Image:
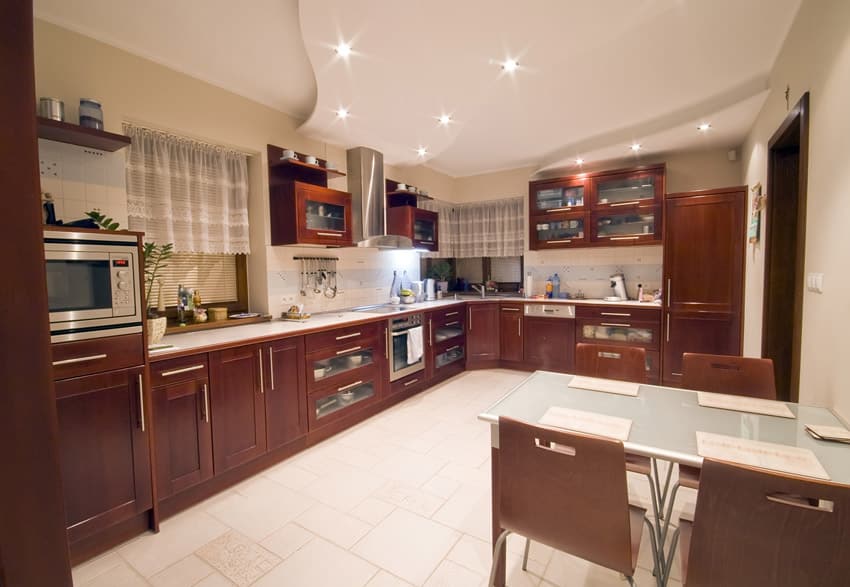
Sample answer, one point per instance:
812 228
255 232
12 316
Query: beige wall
814 58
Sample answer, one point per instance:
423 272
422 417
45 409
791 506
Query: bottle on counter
549 287
395 287
640 292
556 287
182 303
528 284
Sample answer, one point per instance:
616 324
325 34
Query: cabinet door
563 195
103 444
626 226
482 331
237 406
324 215
695 333
549 343
558 231
628 188
181 407
329 405
286 391
510 328
425 235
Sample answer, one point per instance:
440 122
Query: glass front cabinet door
632 188
303 213
626 226
552 197
558 231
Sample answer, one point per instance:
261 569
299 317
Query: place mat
832 433
587 422
606 385
739 403
765 455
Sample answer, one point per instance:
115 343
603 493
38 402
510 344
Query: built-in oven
93 285
406 346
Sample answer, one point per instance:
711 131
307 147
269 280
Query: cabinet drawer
72 359
338 401
619 313
414 381
177 370
624 332
447 314
350 335
449 352
329 366
447 327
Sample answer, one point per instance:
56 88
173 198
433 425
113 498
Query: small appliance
430 290
399 330
618 283
418 288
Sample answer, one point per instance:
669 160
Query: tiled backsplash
588 270
81 180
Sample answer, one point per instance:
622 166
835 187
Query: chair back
566 490
754 527
626 363
729 374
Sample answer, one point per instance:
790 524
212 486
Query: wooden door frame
794 127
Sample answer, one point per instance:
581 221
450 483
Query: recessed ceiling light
422 151
636 147
444 119
342 113
510 65
704 127
343 49
579 161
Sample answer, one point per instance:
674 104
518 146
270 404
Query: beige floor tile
372 510
238 558
410 498
188 571
178 538
291 476
473 553
467 475
344 489
285 541
262 511
538 552
450 574
320 564
92 568
333 525
565 569
385 579
467 452
122 575
407 545
410 467
214 580
441 486
468 511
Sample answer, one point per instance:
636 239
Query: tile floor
401 499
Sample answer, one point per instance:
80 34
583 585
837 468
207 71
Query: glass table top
665 420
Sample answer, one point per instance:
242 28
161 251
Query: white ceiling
594 76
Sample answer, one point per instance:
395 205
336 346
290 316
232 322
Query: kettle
418 289
430 291
618 283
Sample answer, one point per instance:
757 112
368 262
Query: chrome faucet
480 289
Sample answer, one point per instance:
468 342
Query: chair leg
669 514
656 508
657 557
665 571
497 550
525 554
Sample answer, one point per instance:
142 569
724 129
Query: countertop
204 340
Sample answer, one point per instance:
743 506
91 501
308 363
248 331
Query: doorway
785 245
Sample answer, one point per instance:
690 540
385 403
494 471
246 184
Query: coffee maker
618 283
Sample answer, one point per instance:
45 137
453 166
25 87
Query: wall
816 58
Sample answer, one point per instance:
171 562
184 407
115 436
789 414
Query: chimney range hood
369 201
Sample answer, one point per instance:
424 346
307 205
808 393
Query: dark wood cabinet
417 224
302 213
285 391
482 326
182 413
104 454
549 343
510 331
703 275
237 398
640 186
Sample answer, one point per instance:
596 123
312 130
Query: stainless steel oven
93 287
406 356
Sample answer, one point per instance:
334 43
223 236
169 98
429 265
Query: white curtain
491 228
186 192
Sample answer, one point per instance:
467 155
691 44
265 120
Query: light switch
814 282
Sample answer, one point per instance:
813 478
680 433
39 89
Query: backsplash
364 277
588 270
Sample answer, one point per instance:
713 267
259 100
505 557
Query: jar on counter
91 113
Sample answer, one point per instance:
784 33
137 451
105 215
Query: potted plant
156 258
441 271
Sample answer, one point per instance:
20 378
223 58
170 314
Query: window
215 276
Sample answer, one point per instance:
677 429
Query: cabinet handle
329 234
351 350
349 386
623 238
676 374
386 343
451 314
451 348
141 403
614 314
623 324
206 404
668 326
411 382
79 360
183 370
430 332
564 241
452 323
668 292
343 337
469 311
424 242
262 384
271 367
510 309
630 203
519 327
565 209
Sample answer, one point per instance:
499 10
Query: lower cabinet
510 330
329 405
285 391
549 343
482 327
696 333
104 455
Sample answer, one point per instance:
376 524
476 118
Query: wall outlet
814 282
48 167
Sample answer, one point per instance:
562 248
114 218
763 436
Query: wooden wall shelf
74 134
300 164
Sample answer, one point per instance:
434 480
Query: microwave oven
93 287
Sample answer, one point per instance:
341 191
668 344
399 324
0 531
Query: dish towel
414 345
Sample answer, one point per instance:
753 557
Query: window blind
213 275
506 269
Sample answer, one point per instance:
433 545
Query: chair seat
636 516
685 530
689 476
638 464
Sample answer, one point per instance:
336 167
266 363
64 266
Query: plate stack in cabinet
446 342
626 207
625 326
346 369
558 215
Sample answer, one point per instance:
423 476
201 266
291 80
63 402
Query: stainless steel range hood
369 201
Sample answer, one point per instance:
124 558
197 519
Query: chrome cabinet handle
668 326
411 382
344 336
329 234
349 386
206 404
623 238
624 325
668 291
630 203
271 367
564 209
469 311
386 343
351 350
452 323
510 309
451 314
614 313
262 383
78 360
451 348
183 370
676 374
430 332
519 327
564 241
141 403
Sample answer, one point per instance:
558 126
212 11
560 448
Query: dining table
665 422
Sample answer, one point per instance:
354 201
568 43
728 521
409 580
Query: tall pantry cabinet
704 246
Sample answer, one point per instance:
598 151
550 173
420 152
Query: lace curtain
492 228
186 192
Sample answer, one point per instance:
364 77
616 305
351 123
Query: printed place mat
606 385
765 455
587 422
833 433
739 403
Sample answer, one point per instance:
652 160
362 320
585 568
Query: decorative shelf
74 134
174 328
302 165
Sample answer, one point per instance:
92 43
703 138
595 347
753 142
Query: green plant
441 271
156 259
101 220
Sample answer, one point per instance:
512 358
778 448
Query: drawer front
448 352
84 357
625 332
336 402
340 337
177 370
447 314
448 327
355 360
619 313
414 381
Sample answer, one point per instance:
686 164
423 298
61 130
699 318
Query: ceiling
594 77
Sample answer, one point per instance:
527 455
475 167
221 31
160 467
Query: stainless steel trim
141 403
339 235
399 333
262 383
351 350
452 323
349 386
614 313
559 311
565 209
609 355
70 237
623 238
630 203
183 370
569 240
510 309
623 324
348 336
447 314
206 403
271 367
411 382
78 360
73 336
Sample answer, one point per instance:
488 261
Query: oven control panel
123 284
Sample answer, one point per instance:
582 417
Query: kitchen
498 332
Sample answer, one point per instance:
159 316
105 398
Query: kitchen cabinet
632 187
704 247
626 226
510 330
181 410
549 343
303 213
483 319
238 406
417 224
557 195
328 405
445 343
559 231
285 391
103 445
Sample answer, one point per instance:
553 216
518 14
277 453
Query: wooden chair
568 491
755 527
626 363
733 375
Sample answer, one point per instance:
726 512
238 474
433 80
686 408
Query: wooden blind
213 275
506 269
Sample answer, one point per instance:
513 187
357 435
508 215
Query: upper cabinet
417 224
603 209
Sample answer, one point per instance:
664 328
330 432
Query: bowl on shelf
408 299
355 360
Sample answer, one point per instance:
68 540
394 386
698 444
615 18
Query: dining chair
758 527
743 376
568 490
625 363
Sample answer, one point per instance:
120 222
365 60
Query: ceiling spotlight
636 147
510 65
342 113
444 119
343 50
704 127
579 161
422 151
